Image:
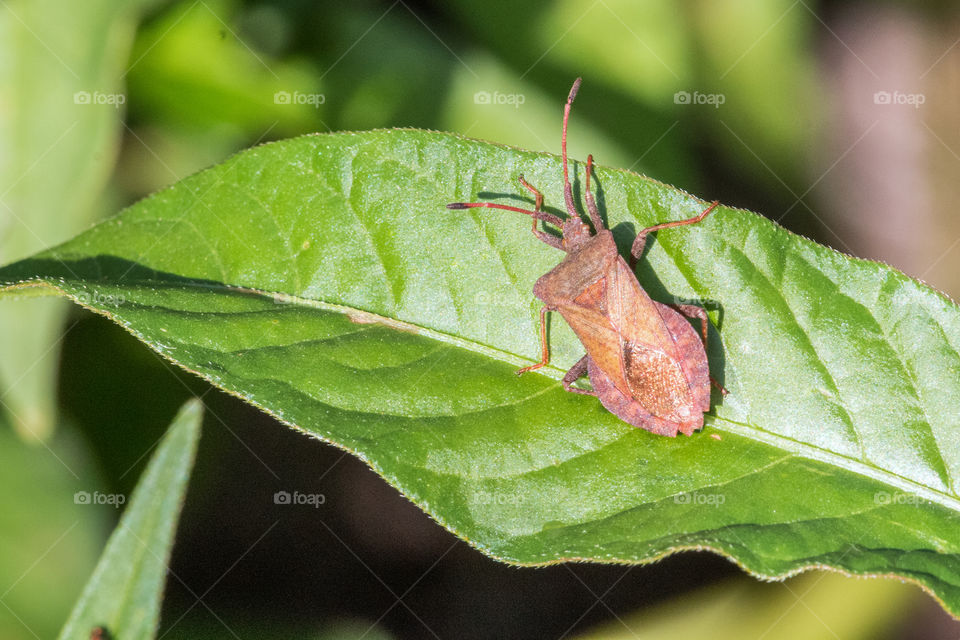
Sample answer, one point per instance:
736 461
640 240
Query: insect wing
657 358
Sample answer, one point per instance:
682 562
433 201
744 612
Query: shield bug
646 363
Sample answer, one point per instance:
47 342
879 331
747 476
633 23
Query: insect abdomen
657 381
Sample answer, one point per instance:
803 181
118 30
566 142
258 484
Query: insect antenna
539 215
567 189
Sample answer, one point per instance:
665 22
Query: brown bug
646 363
99 633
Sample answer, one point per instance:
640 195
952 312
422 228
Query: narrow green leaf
322 279
124 592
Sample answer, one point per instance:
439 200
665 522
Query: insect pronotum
646 363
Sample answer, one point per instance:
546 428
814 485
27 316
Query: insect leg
576 372
538 197
638 243
544 350
545 237
697 313
723 390
591 203
693 311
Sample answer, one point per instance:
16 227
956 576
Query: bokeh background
838 120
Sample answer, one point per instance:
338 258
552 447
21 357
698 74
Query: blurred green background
836 119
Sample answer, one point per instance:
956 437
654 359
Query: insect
646 363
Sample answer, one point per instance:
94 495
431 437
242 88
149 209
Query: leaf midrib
804 450
747 430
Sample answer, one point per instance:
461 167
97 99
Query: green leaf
124 592
61 65
322 279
